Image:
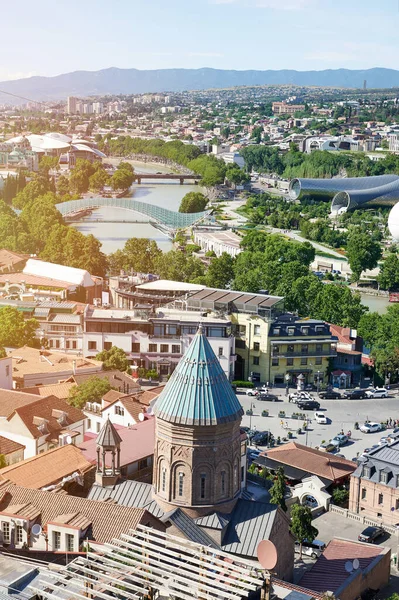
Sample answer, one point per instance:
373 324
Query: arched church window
163 479
202 485
181 483
223 481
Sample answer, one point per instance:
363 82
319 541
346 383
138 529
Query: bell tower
108 455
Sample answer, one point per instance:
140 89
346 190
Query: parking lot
341 415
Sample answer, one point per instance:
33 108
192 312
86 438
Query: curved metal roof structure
198 393
349 193
169 218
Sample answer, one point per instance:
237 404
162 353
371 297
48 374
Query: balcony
309 354
93 408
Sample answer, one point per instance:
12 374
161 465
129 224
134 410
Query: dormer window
366 472
384 476
305 330
291 330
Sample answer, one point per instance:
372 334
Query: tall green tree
193 202
388 277
139 254
301 525
220 272
112 359
15 331
278 489
177 266
363 253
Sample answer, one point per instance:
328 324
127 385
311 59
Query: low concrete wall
362 519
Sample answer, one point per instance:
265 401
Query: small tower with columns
108 442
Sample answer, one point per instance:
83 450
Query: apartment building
282 108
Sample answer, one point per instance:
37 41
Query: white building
121 409
71 105
98 108
218 242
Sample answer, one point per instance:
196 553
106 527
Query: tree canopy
112 359
138 254
15 331
301 525
92 390
193 202
278 489
363 253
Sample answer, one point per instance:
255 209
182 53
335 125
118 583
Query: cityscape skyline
230 34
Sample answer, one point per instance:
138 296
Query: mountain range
135 81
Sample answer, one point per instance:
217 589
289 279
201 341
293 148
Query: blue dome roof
198 392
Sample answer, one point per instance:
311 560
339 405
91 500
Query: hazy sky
48 37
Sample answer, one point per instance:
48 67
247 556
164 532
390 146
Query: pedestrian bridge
170 219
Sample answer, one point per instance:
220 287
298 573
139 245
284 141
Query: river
113 236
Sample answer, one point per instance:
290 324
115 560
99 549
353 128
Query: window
92 345
256 346
70 542
119 410
380 499
290 362
176 349
181 483
255 360
165 348
319 328
240 344
276 331
98 427
202 485
305 330
6 532
67 344
364 493
235 477
7 370
319 360
274 362
383 477
143 464
220 351
19 534
319 348
135 347
366 472
256 329
56 540
291 330
57 343
223 481
242 474
152 347
397 504
74 344
276 349
172 330
242 330
290 348
88 423
163 479
304 349
107 345
304 360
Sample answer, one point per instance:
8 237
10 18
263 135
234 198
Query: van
313 549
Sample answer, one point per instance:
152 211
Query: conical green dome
198 392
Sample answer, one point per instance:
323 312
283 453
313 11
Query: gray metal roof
53 304
250 523
385 459
41 312
128 493
189 528
66 318
214 521
108 436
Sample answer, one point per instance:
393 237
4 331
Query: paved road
342 414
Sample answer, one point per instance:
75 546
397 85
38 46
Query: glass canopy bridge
165 218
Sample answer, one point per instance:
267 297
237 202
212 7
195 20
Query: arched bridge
170 219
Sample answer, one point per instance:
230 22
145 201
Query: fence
345 512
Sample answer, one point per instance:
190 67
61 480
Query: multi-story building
282 108
374 486
71 105
347 368
299 346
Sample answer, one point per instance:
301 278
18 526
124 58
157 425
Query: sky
50 37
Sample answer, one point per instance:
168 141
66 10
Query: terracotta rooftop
28 361
60 390
118 380
107 520
313 461
9 446
12 399
47 468
8 258
111 396
49 409
342 333
138 441
328 572
131 402
150 394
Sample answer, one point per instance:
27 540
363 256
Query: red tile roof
9 446
328 572
342 333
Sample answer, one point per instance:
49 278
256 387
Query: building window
165 348
235 480
304 349
319 348
223 481
176 349
92 345
152 347
181 483
6 532
364 493
397 504
242 329
274 362
276 349
291 330
305 330
107 345
290 362
319 328
88 423
256 346
255 360
383 477
135 347
242 474
74 344
143 464
70 542
119 410
290 349
19 534
98 427
220 351
380 499
304 360
276 331
56 540
256 329
366 472
7 370
319 360
202 485
163 479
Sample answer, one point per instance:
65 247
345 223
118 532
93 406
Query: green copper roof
198 392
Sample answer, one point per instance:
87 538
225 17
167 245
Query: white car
377 393
320 417
371 427
252 392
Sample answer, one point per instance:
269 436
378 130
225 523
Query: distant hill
134 81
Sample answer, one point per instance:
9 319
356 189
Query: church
199 477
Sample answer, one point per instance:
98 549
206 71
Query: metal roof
66 318
213 521
198 392
128 493
108 436
189 528
250 523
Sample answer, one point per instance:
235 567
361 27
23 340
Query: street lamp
250 415
287 380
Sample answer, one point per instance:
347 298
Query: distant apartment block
282 108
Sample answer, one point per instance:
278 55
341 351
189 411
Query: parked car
320 418
330 395
252 455
370 534
308 405
377 393
268 397
252 392
354 394
260 438
327 447
370 427
295 396
340 440
385 440
313 549
368 450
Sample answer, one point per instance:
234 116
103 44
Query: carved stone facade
197 468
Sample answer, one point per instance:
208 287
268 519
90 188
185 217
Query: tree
388 277
123 177
193 202
15 331
220 272
92 390
363 252
62 185
112 359
79 181
139 254
99 180
301 525
278 489
39 217
177 266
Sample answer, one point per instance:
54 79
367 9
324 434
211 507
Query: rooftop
29 361
9 446
12 399
61 390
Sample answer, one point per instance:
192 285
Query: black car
370 534
260 439
308 404
355 394
268 397
330 395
